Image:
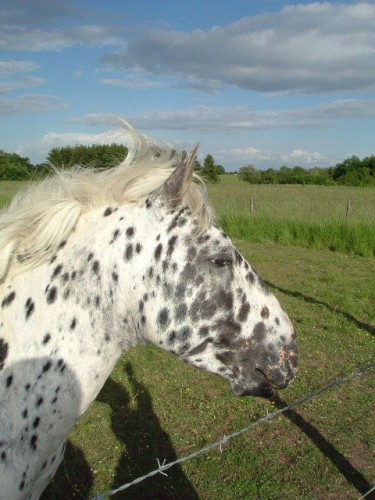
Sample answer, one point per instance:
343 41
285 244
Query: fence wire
162 467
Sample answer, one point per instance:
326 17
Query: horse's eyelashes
222 261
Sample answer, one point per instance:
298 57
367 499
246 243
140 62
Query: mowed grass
337 218
153 407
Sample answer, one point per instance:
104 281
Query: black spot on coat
96 267
4 348
171 245
33 441
8 299
128 252
259 332
115 235
163 317
29 306
57 271
265 313
243 312
158 251
51 295
181 311
47 366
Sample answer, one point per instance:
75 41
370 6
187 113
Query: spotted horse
93 263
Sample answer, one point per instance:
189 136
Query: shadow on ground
143 440
311 300
342 464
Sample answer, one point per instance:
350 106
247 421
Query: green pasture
154 407
337 218
8 189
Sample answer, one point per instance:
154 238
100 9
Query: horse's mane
44 215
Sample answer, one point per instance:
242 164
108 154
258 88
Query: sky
266 83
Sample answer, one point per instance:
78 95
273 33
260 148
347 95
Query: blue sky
266 83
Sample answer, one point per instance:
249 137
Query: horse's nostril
276 376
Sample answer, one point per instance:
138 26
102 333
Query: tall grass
336 218
8 189
336 236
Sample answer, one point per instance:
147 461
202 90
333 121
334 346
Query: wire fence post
348 210
251 206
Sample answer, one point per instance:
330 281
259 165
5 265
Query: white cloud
270 159
131 83
29 104
308 48
38 12
12 67
53 139
299 155
24 83
36 40
94 119
233 118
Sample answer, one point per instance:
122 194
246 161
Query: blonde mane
39 219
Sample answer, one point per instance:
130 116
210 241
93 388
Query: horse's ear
179 181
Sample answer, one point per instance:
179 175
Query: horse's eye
222 261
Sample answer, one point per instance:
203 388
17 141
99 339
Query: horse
94 262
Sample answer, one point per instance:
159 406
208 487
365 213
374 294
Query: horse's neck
75 306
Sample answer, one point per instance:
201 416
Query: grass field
155 407
337 218
8 189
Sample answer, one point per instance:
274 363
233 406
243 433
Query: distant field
299 203
323 217
8 189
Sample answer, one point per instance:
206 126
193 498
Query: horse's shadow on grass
342 464
73 479
144 441
358 323
354 477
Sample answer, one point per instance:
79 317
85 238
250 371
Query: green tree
95 156
14 167
250 174
209 171
353 171
269 176
197 166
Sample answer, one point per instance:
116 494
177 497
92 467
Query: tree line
15 167
352 171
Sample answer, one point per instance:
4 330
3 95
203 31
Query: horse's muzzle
265 379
